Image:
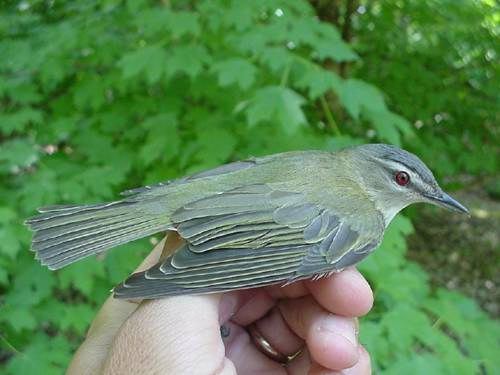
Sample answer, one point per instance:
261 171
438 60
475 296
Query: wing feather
250 236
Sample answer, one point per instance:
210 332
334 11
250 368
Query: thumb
176 335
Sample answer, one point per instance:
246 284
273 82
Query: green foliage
438 65
100 96
414 330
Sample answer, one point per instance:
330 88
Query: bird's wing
249 236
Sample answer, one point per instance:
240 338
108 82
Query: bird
268 220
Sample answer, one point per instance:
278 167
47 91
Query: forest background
100 96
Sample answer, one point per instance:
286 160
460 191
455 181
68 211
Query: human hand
182 334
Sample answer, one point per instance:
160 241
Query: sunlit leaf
162 141
17 153
188 59
277 102
318 81
150 60
18 121
357 95
235 71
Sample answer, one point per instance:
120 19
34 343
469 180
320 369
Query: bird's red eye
402 178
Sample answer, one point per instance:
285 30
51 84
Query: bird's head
395 178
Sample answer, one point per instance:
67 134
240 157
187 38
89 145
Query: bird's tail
65 234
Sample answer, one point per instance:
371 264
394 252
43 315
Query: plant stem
329 116
286 73
9 345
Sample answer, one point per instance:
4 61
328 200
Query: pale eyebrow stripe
397 165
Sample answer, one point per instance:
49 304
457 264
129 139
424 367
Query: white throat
389 214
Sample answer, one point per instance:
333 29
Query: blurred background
100 96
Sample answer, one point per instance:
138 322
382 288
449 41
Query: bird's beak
442 199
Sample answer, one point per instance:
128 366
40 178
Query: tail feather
86 237
56 217
60 234
65 234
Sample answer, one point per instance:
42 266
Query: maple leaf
357 95
149 60
318 81
280 103
235 71
189 59
162 141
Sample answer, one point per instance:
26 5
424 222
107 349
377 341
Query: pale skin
181 335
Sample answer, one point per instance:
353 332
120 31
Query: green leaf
18 121
43 355
183 23
17 153
101 145
417 364
161 20
280 103
31 286
81 275
235 71
24 93
188 59
318 81
337 50
4 276
19 318
120 262
401 335
9 243
7 215
63 127
31 195
239 15
357 95
215 145
389 126
150 60
248 42
276 58
77 317
163 141
303 31
91 92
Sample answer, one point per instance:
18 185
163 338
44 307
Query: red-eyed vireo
274 219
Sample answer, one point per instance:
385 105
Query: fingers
331 340
301 364
363 367
252 304
177 335
245 356
115 311
293 290
345 293
276 331
91 354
